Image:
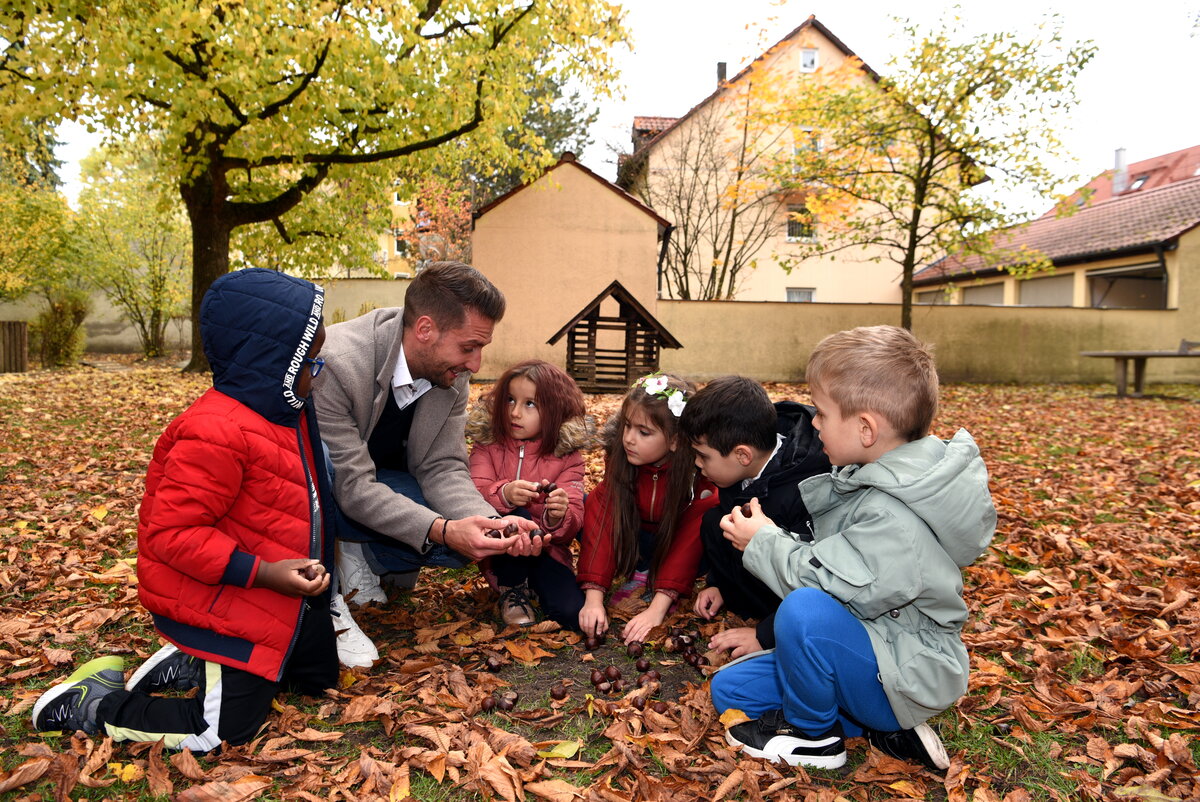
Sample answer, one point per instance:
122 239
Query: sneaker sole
148 666
808 761
933 746
84 671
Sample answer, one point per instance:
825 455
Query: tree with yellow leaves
260 103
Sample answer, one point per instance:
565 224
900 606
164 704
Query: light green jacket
889 540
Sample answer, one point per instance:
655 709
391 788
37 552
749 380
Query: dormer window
808 59
1138 182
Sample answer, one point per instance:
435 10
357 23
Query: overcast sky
1139 92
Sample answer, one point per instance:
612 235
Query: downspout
1162 262
662 255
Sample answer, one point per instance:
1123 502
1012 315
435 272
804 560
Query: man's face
441 355
722 471
305 379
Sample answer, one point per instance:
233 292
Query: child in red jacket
233 538
643 520
527 436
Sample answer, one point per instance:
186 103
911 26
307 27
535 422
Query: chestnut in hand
746 510
310 572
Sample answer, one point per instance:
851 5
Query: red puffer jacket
677 575
225 489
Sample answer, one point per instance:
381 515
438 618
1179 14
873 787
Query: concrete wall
772 341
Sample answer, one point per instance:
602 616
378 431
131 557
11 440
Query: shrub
57 334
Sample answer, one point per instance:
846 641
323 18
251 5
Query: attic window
808 59
1139 181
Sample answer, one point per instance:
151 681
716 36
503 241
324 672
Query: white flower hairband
656 385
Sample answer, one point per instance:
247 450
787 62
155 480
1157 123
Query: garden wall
772 341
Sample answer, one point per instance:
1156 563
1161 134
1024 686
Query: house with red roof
694 169
1129 239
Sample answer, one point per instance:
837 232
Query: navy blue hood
257 326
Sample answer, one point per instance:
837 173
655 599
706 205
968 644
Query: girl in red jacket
526 460
643 520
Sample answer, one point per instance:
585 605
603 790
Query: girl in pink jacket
526 460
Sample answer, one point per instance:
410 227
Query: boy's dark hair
445 290
730 411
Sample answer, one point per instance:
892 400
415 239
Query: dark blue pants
823 669
386 554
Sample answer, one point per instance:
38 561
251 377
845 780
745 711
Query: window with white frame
401 246
800 295
809 59
801 224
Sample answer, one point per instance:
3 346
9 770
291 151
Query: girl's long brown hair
559 399
622 477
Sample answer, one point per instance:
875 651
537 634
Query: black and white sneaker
71 704
168 669
918 745
772 738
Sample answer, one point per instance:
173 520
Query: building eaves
1119 226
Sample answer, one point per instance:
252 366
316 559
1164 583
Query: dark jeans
386 554
552 582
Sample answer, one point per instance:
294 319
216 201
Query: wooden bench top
1137 354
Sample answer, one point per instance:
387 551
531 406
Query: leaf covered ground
1084 635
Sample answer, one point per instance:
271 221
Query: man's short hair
881 369
445 290
730 411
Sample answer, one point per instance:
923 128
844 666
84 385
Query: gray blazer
350 394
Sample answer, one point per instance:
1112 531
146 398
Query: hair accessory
656 384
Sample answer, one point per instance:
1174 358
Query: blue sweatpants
823 668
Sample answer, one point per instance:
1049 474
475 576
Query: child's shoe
515 608
918 745
354 648
71 704
634 587
772 738
168 669
356 579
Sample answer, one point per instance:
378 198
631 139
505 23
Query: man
391 403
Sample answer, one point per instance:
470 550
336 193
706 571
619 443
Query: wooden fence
14 346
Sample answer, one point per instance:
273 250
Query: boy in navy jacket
749 448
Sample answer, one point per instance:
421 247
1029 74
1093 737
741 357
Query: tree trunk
205 201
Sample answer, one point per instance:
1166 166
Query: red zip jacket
677 575
226 488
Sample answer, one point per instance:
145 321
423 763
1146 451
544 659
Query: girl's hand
592 619
555 508
640 625
740 528
708 603
296 577
518 492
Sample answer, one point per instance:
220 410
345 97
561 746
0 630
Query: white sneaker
355 577
354 648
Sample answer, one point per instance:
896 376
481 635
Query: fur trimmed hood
576 434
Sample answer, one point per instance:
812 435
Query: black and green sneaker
168 669
71 704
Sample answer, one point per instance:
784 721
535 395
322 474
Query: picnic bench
1121 360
